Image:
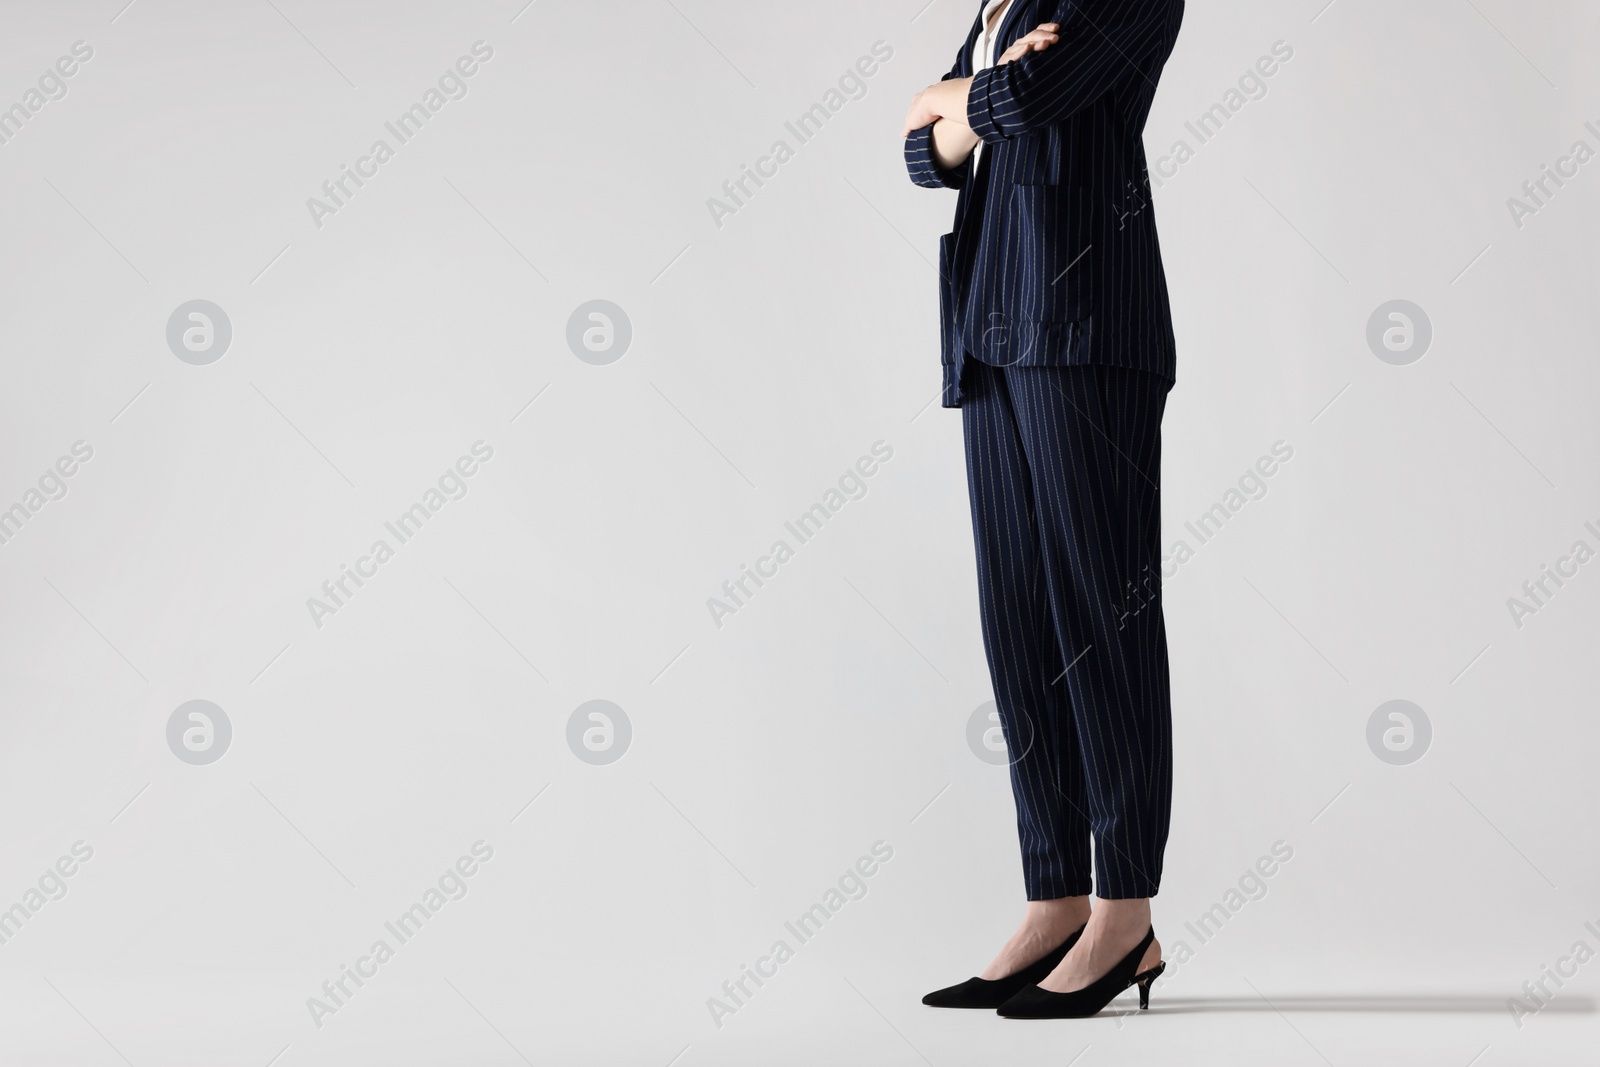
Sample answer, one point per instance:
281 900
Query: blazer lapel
964 60
1006 33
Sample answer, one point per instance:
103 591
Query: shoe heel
1146 980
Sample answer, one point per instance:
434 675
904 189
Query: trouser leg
1091 439
1020 639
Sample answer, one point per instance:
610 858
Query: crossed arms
1072 64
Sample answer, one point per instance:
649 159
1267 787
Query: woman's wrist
953 142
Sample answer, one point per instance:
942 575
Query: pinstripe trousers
1063 472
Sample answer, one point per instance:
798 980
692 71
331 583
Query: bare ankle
1059 913
1128 914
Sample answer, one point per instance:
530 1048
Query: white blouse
983 52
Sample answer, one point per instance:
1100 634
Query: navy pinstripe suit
1057 344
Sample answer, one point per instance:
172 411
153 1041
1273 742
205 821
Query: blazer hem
952 395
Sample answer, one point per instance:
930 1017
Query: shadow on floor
1402 1003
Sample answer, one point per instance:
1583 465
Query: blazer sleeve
1100 41
920 160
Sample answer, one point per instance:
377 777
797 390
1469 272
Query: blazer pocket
1054 229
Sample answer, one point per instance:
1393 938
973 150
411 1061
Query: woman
1057 346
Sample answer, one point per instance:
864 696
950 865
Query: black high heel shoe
1032 1002
991 993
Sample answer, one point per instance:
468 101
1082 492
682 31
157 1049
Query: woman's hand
946 99
1037 41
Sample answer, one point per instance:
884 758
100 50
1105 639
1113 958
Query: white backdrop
354 355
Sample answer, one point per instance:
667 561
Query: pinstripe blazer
1054 258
